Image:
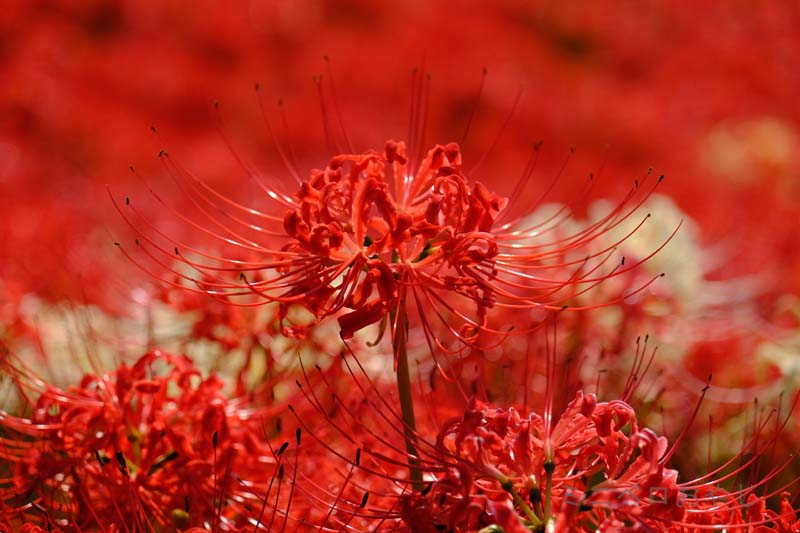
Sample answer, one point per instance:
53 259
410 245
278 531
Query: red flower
132 448
595 470
375 237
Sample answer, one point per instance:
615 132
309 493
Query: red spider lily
593 468
374 237
139 449
431 234
517 460
596 469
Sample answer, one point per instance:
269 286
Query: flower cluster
595 470
154 445
371 239
412 336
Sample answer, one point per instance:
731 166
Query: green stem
549 467
509 487
399 342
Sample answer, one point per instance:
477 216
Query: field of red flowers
361 266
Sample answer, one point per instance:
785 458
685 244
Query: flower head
151 446
376 238
596 469
373 232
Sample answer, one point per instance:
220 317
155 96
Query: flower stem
400 346
549 467
509 488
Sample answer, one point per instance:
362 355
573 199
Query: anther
123 467
102 460
282 448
